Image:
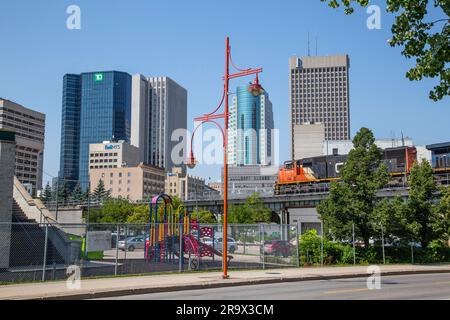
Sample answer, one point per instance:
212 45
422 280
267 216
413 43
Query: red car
278 248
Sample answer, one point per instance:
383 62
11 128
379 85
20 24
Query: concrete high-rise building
319 92
138 183
118 165
250 128
96 107
159 108
29 126
113 155
308 140
243 181
7 163
184 186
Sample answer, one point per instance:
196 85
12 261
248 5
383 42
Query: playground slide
193 243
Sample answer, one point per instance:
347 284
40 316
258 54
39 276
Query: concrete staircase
31 219
18 215
28 242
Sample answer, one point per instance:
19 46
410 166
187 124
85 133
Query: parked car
132 243
218 244
231 244
209 241
114 239
278 248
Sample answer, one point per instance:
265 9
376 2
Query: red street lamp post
256 89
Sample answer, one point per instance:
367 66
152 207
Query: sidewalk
110 287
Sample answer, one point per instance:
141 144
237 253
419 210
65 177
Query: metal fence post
245 239
299 238
44 263
126 242
353 240
262 246
321 243
181 252
117 250
382 244
297 241
86 226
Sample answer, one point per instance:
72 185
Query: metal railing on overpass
214 202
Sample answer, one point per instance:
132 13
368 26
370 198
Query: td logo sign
98 77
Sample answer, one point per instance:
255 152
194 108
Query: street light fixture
256 90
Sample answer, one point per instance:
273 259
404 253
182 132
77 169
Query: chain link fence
44 251
318 250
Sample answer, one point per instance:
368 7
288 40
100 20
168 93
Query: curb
139 291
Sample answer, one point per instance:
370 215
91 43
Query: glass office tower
70 130
104 110
250 126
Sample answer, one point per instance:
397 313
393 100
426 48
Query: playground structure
166 227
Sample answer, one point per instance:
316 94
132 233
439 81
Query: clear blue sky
185 40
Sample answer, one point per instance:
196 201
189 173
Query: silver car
218 245
133 243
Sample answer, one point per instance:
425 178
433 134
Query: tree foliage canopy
353 200
421 35
253 211
423 217
423 222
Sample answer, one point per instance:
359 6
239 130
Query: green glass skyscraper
96 107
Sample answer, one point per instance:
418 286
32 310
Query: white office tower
159 121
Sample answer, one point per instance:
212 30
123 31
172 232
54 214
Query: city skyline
381 97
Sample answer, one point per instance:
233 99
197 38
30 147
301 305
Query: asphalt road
425 286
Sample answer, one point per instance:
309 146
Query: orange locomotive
315 174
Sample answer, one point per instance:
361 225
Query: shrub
333 252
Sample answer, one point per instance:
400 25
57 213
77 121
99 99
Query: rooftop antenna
309 51
316 44
403 140
393 142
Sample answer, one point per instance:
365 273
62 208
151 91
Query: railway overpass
291 208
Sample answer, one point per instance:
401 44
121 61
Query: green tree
100 193
253 211
353 200
444 211
140 214
47 194
112 211
391 217
77 194
423 30
177 205
64 193
423 222
205 216
259 212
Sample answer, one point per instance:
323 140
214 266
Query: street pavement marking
346 290
442 282
366 289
